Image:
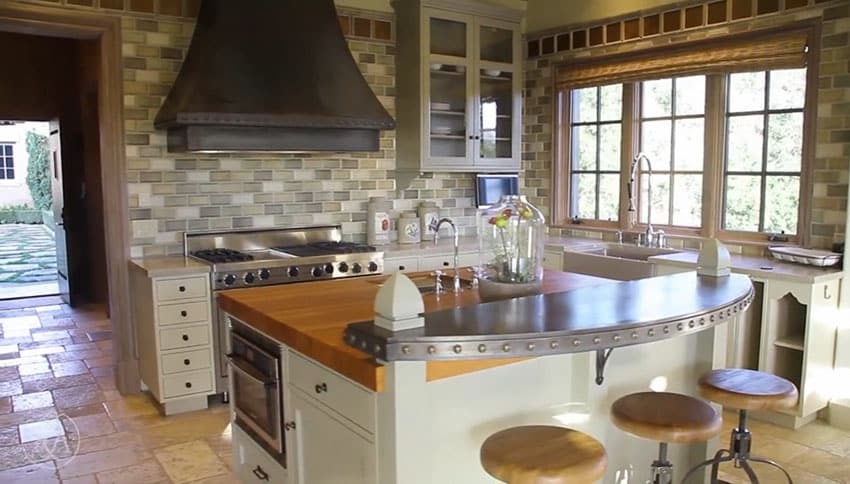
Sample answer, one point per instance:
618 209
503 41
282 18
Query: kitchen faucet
651 237
435 226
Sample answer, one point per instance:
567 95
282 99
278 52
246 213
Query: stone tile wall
173 193
832 156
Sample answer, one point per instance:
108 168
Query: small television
489 188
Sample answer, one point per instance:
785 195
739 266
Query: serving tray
812 257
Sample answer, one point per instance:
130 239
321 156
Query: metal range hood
270 75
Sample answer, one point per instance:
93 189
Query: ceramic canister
378 221
429 215
408 229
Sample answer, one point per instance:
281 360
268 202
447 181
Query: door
61 235
319 435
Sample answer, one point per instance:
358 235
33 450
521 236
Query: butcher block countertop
311 318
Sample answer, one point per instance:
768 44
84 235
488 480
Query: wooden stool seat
666 417
543 454
748 389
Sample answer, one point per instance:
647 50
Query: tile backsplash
173 193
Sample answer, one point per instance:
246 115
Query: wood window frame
714 139
7 162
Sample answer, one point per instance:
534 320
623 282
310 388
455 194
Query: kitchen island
352 418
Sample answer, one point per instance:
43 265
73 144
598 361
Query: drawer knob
188 384
182 288
261 474
289 426
187 362
445 263
185 337
401 268
184 313
322 387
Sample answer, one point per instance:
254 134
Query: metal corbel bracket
601 359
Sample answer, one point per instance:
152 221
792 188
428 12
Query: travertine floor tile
68 368
105 460
20 322
190 461
27 416
9 388
33 453
8 374
41 430
30 401
110 441
44 473
88 426
132 406
49 335
34 369
61 382
98 362
90 479
77 396
5 405
44 350
145 473
8 436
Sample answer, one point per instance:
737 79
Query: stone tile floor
27 261
61 419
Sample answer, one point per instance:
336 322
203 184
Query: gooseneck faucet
435 226
652 238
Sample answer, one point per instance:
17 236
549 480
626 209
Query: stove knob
265 274
343 267
293 272
355 268
329 268
249 277
373 266
317 271
229 279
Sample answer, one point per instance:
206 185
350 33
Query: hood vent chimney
270 75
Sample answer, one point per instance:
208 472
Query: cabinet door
498 103
327 451
446 262
405 264
448 122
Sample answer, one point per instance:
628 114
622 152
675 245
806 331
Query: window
7 162
672 127
595 143
764 150
721 121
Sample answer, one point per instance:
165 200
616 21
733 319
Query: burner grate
222 255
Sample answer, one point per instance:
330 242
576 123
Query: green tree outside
38 171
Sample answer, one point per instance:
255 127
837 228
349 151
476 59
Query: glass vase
511 238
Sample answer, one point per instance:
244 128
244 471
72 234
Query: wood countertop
311 318
165 266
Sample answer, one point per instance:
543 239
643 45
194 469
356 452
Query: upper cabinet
459 76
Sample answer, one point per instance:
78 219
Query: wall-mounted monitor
489 188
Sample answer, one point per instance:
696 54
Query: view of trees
38 170
763 152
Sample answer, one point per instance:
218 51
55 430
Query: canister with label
408 229
378 221
429 215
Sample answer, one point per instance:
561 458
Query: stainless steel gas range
249 258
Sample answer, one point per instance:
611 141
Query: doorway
27 229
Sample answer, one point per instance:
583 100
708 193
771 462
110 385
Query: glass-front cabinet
467 95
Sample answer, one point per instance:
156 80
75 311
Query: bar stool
543 454
665 418
744 390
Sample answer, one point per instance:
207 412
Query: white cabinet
401 264
446 261
553 260
798 339
252 464
174 329
327 449
459 82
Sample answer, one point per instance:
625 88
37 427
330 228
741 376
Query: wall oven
256 392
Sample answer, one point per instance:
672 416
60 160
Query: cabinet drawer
554 261
252 463
186 384
409 264
184 288
186 361
191 312
447 261
184 337
338 393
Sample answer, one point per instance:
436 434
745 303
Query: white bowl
436 67
492 72
460 69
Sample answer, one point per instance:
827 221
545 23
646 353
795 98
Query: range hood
270 75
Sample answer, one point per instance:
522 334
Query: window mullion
764 137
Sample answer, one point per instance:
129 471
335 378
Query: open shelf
794 342
788 364
447 113
447 136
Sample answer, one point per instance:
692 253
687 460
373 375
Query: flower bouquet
511 236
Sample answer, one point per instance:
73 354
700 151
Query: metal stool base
661 469
738 453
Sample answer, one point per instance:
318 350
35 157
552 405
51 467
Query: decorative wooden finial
399 305
714 259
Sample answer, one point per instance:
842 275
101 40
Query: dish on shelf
436 67
442 130
492 72
441 106
812 257
460 69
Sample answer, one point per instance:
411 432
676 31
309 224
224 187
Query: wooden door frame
106 30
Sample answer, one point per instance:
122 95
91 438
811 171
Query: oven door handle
249 371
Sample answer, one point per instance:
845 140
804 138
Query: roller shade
745 52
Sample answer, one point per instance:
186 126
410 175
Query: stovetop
279 256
